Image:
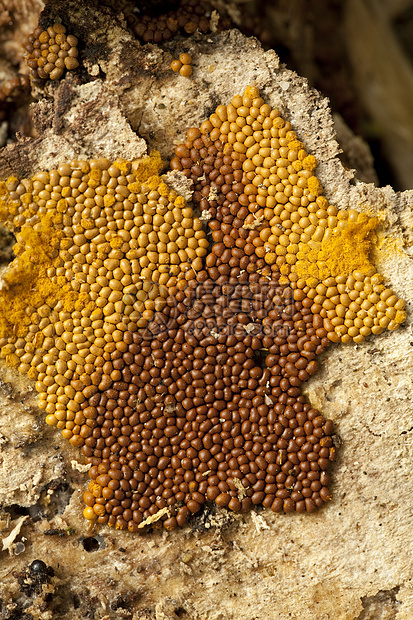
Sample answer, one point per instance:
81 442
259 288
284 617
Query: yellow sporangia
88 267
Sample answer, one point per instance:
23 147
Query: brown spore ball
185 58
185 70
176 65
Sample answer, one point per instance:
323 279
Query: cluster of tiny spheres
183 65
175 363
51 52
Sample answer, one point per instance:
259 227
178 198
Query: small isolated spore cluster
183 64
171 348
51 52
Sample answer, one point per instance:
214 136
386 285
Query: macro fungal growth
171 349
51 52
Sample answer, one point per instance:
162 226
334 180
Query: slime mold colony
170 347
